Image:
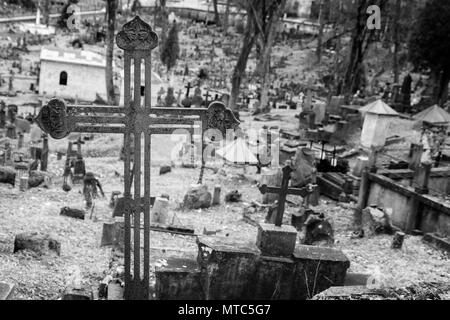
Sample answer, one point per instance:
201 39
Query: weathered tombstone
137 39
397 242
197 197
178 280
216 195
317 269
8 175
11 131
72 213
2 115
170 100
319 110
39 243
227 268
160 211
335 103
197 98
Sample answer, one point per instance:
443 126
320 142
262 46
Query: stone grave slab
274 278
276 241
178 280
317 269
345 293
228 268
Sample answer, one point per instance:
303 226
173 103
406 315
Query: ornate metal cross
283 191
137 39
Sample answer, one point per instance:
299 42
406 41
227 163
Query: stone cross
284 190
137 39
206 95
188 88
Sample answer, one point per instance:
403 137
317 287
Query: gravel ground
38 210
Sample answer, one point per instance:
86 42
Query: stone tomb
228 269
317 269
180 280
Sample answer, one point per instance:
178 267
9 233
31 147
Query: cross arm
294 191
58 120
216 116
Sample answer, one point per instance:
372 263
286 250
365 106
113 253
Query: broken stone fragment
41 244
318 230
197 197
376 221
72 213
233 196
38 178
165 169
7 175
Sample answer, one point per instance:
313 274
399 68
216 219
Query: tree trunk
239 69
320 36
396 39
265 57
216 13
111 7
443 88
226 18
164 22
356 53
46 12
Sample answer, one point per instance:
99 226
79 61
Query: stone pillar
363 198
421 178
160 211
20 141
44 155
216 195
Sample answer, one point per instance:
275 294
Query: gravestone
227 268
178 280
317 269
335 103
170 100
197 98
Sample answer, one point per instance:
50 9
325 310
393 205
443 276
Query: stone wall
434 215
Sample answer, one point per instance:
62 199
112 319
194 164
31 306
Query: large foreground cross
137 39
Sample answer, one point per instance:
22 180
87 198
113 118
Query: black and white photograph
253 151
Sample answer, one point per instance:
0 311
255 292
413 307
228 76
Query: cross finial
137 35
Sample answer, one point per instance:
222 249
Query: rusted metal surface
137 39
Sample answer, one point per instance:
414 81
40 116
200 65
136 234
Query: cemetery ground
37 209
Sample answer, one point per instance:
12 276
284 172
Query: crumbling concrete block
228 268
179 280
274 278
36 242
317 269
276 241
